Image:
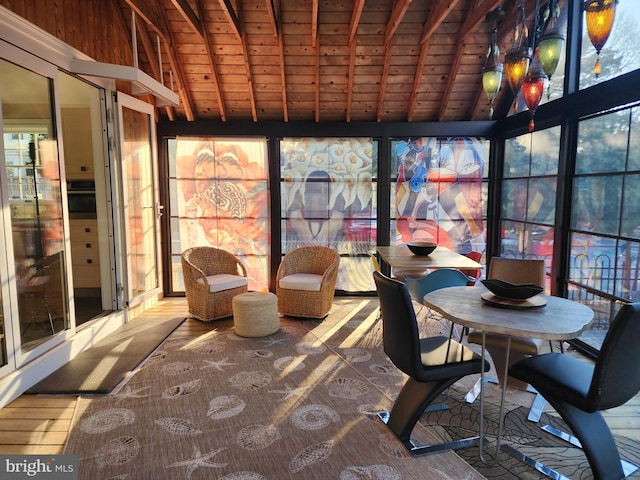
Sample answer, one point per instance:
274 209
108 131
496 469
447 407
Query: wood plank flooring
34 424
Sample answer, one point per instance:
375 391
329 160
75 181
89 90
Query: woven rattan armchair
306 282
212 277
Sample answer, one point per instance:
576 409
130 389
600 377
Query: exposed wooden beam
274 11
317 81
273 18
383 82
178 74
417 79
143 36
189 16
355 19
153 13
476 15
352 67
231 15
399 10
247 64
212 59
235 20
436 17
353 43
283 82
150 51
314 22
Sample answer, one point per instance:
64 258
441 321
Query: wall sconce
492 69
600 15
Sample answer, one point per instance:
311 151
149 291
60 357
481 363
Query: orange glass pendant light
516 65
517 59
599 18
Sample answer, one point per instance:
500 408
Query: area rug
299 404
222 406
101 368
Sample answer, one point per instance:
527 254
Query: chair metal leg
627 467
473 393
416 450
537 407
542 468
593 436
414 399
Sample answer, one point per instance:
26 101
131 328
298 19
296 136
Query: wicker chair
212 277
306 282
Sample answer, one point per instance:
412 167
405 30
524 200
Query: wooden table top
400 257
559 319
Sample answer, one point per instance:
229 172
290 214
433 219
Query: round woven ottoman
255 314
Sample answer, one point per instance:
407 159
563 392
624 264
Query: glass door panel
32 173
88 194
140 194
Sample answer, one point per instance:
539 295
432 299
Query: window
440 192
619 55
328 198
219 197
529 195
605 219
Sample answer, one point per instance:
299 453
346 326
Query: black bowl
422 248
510 290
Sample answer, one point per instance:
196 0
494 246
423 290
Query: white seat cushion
309 282
224 281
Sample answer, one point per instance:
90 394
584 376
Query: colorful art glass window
219 197
439 192
328 198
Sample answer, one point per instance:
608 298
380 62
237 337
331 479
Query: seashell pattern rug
299 404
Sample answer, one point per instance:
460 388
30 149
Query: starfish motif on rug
217 365
289 392
274 341
199 460
128 392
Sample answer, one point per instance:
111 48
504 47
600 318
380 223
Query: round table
558 319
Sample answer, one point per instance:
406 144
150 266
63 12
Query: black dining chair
432 364
579 391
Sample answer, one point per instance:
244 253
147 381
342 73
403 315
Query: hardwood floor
34 424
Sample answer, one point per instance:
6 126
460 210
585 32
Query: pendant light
492 69
599 15
517 59
533 87
551 42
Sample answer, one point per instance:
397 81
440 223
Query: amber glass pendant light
599 18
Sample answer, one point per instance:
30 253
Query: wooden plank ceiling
319 60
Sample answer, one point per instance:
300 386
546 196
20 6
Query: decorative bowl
422 248
513 291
